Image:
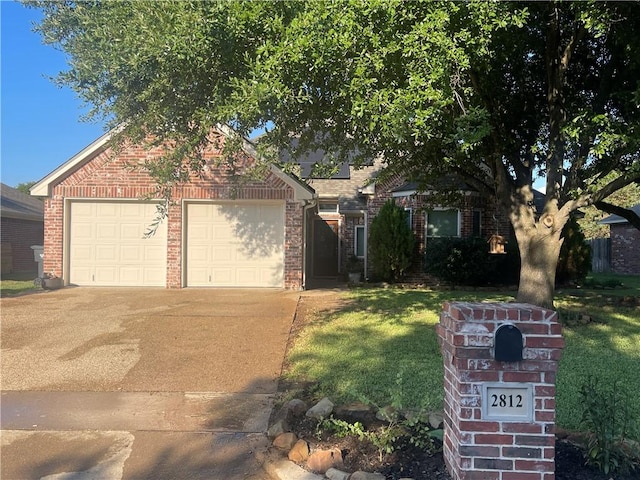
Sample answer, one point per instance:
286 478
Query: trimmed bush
391 243
574 262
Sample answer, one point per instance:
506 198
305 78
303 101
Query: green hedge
467 261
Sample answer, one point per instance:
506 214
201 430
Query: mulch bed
419 464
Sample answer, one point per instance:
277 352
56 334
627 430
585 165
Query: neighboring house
625 240
217 232
22 226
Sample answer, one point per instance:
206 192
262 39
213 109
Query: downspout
366 245
308 204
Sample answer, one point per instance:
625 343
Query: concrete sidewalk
140 383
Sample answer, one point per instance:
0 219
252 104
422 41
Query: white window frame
409 211
328 206
458 226
363 229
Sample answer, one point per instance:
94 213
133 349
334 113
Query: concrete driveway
109 383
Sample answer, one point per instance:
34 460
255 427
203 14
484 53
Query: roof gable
45 186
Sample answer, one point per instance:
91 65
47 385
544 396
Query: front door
325 248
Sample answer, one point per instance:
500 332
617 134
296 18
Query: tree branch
629 215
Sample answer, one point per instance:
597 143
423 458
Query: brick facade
625 255
110 176
17 237
476 447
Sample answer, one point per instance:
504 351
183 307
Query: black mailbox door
508 344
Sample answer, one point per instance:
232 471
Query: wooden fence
600 254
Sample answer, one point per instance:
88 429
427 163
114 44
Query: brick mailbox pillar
500 364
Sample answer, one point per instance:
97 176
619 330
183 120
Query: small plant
607 416
354 265
398 431
387 438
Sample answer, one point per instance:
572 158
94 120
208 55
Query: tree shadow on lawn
380 346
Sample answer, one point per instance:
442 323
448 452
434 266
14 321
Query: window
360 241
443 223
409 212
328 207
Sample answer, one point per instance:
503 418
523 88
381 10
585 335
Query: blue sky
41 127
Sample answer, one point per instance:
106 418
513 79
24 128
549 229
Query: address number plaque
507 402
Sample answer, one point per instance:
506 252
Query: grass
16 284
382 347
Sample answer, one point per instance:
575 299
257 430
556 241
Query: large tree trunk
539 252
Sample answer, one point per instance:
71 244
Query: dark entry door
325 248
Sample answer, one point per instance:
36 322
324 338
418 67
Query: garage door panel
223 254
245 245
107 230
154 276
107 246
199 276
130 275
199 233
222 277
83 276
82 253
155 254
110 210
105 275
131 231
106 253
222 233
131 253
83 232
81 210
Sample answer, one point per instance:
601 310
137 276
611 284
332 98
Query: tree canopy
501 94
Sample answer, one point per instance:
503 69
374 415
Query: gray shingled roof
617 218
15 204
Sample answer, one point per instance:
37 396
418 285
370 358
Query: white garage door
235 245
107 245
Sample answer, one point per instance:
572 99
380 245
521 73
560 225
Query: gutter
308 204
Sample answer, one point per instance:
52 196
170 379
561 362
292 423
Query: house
282 231
349 200
22 226
625 239
217 232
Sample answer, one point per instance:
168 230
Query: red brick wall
347 235
20 235
109 176
476 447
625 249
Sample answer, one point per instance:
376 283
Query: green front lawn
15 284
382 347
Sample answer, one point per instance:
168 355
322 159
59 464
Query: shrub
467 261
391 243
607 416
574 261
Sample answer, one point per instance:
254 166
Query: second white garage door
235 245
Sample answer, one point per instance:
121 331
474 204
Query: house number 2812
507 401
504 400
